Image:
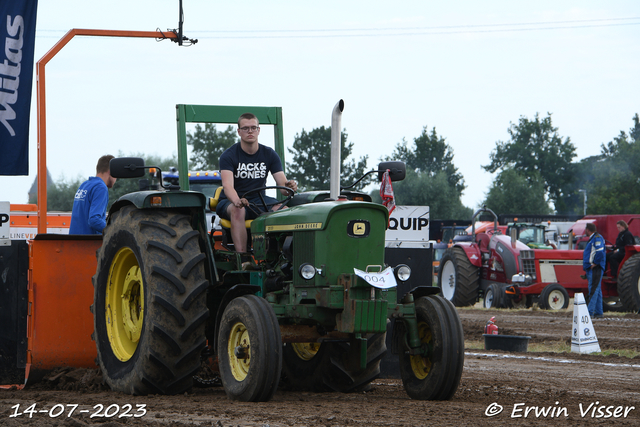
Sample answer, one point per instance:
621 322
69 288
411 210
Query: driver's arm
229 190
281 180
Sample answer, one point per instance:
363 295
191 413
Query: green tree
611 178
311 164
60 194
432 178
512 193
430 154
422 189
537 151
208 144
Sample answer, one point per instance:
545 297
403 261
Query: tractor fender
423 291
629 251
167 199
234 292
473 253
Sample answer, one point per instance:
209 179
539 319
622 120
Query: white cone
583 336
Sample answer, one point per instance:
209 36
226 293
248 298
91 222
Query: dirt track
491 380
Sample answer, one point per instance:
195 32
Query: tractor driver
244 166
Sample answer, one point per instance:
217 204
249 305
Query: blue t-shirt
89 214
249 170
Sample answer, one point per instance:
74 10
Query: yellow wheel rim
419 364
306 350
124 304
239 351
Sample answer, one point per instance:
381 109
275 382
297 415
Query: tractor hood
313 216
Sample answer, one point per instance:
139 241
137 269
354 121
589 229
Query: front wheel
149 302
493 296
249 350
434 373
554 297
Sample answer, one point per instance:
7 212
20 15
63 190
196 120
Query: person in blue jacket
593 263
89 214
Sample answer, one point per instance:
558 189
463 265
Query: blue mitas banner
17 40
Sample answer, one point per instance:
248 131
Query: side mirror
127 167
397 170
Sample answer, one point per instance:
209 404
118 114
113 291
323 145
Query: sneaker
249 266
583 277
597 316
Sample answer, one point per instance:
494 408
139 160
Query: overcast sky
467 68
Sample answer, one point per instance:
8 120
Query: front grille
527 255
529 267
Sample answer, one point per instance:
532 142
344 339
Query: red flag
386 192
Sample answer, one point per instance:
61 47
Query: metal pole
336 145
42 110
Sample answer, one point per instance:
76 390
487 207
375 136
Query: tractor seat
213 202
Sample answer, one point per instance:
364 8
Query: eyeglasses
250 128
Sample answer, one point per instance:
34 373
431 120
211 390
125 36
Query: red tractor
556 275
484 264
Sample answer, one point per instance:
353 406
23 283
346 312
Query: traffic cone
583 337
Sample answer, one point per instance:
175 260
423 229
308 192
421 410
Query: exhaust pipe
514 237
336 132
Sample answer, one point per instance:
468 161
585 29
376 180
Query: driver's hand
292 185
241 203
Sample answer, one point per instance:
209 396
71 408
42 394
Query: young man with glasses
243 167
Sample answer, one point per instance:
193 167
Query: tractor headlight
403 272
307 271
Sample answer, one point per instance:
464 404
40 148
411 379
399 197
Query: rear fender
629 251
161 199
473 253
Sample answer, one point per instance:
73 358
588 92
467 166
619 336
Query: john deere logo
358 228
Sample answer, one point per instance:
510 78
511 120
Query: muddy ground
573 389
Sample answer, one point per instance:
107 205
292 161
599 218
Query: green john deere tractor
311 315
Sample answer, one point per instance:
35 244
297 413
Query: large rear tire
458 278
629 284
149 302
249 350
436 374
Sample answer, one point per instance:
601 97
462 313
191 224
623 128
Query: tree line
535 170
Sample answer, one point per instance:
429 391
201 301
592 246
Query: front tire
458 278
553 297
249 350
629 284
493 296
436 374
150 302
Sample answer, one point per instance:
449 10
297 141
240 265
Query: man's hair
591 227
248 116
623 224
103 163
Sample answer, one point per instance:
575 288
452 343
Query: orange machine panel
60 295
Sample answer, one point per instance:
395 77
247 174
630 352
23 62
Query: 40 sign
408 224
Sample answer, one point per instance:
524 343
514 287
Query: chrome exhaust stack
336 132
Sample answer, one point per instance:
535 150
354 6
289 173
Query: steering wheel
266 205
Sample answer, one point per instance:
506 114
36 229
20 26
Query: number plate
379 279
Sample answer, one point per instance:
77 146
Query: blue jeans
595 301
